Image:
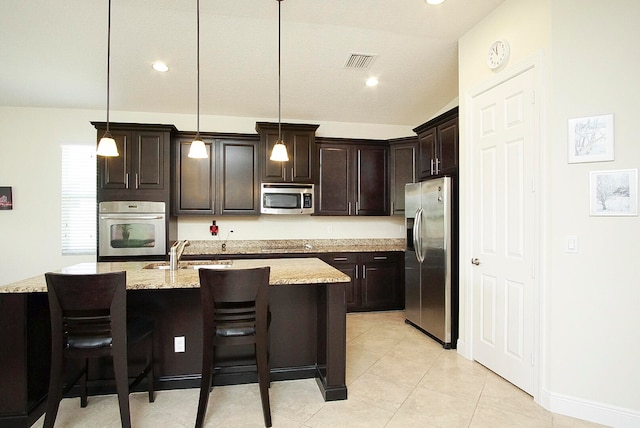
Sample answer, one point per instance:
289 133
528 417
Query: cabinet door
300 148
238 186
402 161
272 171
372 195
301 156
347 264
194 178
114 170
380 282
148 159
336 177
427 152
448 146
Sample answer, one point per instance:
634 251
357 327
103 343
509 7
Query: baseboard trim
589 410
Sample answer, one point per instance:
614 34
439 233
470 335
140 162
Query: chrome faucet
176 252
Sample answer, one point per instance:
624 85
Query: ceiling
53 54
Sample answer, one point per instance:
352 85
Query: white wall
589 316
30 163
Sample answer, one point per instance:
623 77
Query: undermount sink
195 264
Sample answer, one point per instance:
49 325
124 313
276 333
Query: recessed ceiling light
160 66
372 81
434 1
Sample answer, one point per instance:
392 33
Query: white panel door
504 236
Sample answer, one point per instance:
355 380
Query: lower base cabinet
376 279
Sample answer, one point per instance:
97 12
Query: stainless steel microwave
286 198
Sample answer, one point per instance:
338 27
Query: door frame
465 343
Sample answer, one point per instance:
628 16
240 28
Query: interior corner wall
589 309
30 158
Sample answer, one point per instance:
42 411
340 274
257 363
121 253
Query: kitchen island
307 330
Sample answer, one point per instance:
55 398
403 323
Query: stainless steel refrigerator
431 279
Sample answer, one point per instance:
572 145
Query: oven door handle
141 217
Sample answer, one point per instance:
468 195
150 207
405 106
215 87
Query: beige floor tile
487 416
561 421
379 391
499 393
438 409
297 400
458 384
398 370
349 414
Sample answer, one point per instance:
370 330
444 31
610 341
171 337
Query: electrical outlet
178 344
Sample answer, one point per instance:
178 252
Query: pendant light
279 152
107 145
198 149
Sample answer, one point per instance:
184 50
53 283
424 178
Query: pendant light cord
108 61
198 71
279 85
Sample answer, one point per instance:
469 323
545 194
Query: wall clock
498 54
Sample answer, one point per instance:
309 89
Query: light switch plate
571 244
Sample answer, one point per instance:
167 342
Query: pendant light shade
279 152
107 145
198 149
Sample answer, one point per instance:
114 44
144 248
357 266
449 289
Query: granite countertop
292 246
283 272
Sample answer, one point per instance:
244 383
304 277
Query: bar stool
234 312
89 320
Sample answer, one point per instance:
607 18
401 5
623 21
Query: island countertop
284 271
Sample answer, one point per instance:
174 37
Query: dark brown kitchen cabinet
226 183
402 170
141 171
353 178
300 142
376 279
438 145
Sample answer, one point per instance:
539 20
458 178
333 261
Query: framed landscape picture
591 139
613 193
6 201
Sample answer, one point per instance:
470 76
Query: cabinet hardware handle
357 207
431 166
137 181
364 271
339 259
126 177
380 258
437 165
292 174
356 271
349 208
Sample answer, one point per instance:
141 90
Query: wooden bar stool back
89 320
234 312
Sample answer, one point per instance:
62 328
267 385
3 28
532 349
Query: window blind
78 199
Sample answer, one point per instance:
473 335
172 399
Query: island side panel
332 341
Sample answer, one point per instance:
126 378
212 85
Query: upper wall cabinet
438 145
141 171
402 170
224 184
300 142
353 177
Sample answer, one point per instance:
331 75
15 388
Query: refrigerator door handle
417 236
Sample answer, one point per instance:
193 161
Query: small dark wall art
6 201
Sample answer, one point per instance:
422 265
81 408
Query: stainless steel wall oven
131 228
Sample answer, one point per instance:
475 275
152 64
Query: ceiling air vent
360 61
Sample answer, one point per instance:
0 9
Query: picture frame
613 193
591 139
6 199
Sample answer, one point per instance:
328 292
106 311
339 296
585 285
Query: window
78 199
